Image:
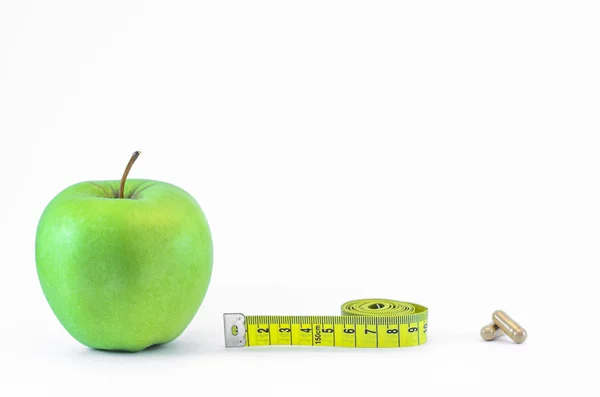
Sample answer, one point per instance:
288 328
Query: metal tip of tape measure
235 329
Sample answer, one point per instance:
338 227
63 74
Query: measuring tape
366 323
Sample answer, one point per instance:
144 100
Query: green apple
126 264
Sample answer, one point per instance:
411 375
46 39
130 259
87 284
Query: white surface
444 153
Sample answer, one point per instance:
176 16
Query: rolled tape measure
364 323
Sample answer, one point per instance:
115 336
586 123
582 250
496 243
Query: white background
444 153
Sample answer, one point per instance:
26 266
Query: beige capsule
509 326
491 332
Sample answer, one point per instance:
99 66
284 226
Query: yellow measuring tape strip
364 323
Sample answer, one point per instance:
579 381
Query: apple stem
134 157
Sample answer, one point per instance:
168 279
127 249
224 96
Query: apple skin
124 273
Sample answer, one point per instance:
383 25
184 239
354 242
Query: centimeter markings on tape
364 323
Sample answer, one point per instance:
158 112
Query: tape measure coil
363 323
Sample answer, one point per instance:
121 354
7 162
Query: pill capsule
509 326
491 332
